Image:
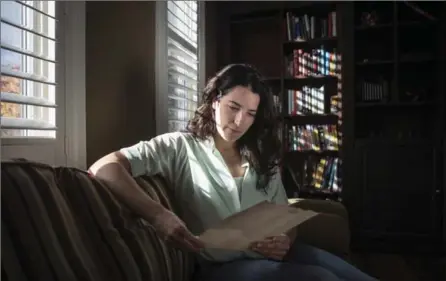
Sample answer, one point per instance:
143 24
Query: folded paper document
265 219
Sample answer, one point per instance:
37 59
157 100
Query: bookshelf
303 69
394 82
311 101
384 95
396 124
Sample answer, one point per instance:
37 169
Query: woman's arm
114 169
117 170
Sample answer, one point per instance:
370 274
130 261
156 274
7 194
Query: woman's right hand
172 229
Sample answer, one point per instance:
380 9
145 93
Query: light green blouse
202 184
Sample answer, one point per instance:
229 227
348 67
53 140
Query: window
43 82
28 69
182 62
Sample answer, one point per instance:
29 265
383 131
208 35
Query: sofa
60 223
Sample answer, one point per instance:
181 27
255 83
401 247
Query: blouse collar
210 143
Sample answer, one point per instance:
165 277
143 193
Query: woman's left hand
275 247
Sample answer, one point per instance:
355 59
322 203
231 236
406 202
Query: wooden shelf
386 141
393 104
293 83
312 189
289 46
316 119
375 62
311 192
330 153
425 23
416 58
374 27
298 82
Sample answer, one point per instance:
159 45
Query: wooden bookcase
396 124
296 49
386 98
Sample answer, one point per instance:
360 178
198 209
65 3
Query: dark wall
211 30
120 75
217 36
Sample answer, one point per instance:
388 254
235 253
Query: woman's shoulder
176 138
179 142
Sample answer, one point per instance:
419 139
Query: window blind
182 61
28 74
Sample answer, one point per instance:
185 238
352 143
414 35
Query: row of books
316 62
308 100
324 173
315 173
302 28
313 137
373 91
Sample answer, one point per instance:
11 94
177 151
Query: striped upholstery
61 224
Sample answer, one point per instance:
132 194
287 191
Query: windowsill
26 141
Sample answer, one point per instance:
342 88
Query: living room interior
360 99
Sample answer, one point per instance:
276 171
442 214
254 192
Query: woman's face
235 112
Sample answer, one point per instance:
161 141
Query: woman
225 163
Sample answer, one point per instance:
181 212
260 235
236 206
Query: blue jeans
303 263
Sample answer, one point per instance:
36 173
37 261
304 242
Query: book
262 220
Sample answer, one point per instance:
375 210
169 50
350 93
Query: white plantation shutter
28 69
182 62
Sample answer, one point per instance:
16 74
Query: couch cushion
61 224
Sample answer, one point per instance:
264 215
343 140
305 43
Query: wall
217 36
120 75
211 22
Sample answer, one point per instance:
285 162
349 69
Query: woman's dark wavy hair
260 144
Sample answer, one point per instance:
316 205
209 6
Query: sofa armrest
328 230
320 206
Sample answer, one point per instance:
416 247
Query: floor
391 267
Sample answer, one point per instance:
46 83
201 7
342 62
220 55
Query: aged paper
265 219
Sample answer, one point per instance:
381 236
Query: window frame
27 110
70 141
161 73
